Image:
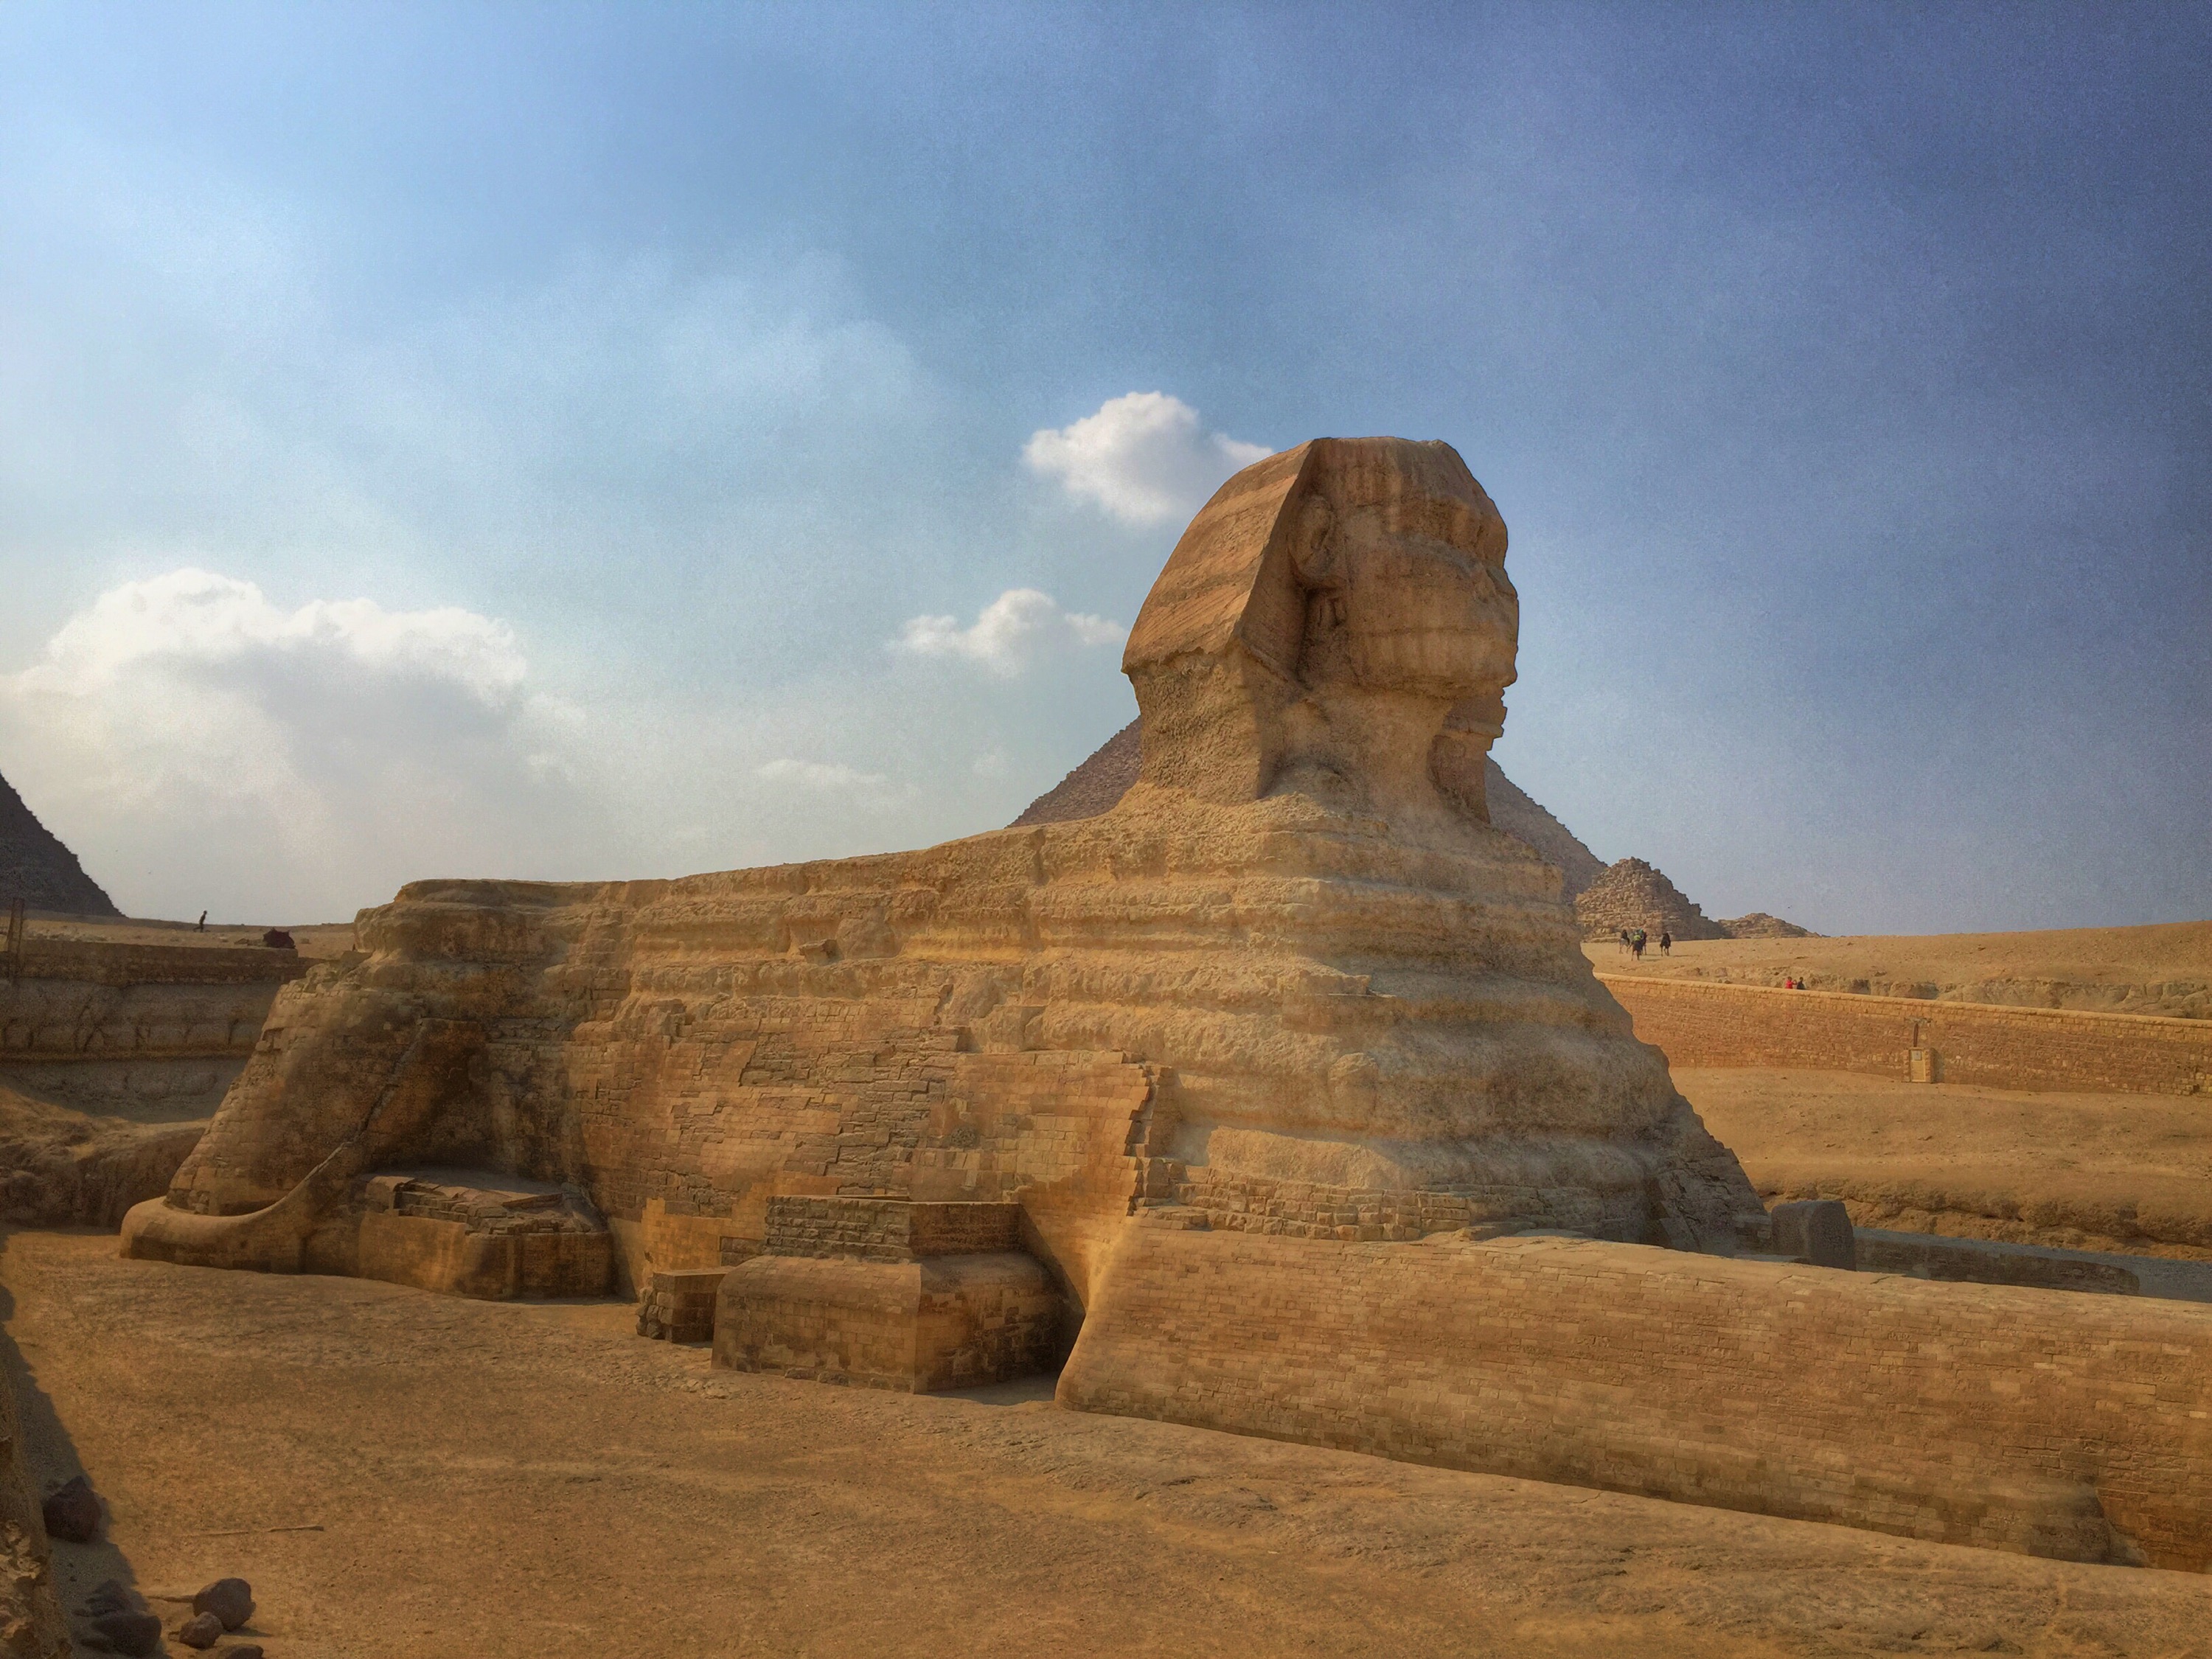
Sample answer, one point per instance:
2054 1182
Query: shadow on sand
50 1457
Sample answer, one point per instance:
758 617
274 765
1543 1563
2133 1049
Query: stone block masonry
889 1294
1891 1404
1984 1043
889 1229
679 1306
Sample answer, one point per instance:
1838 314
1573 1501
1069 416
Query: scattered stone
243 1650
135 1634
108 1595
72 1511
202 1630
230 1600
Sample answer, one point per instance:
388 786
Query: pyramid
1632 893
1100 782
36 868
1759 925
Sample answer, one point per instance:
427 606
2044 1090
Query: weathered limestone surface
1292 979
112 1055
2072 1426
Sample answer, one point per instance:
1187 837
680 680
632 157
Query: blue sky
564 441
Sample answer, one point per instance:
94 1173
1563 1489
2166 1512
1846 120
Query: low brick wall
2072 1426
1706 1024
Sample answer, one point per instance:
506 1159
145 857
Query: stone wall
1891 1404
890 1293
1707 1024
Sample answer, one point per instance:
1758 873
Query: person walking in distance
1666 943
1635 940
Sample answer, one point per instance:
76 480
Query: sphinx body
1292 984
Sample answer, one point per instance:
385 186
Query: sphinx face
1426 619
1404 572
1336 623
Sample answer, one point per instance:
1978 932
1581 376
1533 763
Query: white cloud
822 775
192 616
1008 633
1143 457
200 740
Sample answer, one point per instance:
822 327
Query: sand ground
2131 1173
314 938
2163 969
403 1474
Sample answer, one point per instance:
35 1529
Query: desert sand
2130 1173
502 1479
2162 969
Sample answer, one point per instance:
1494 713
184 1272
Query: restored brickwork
450 1256
889 1294
679 1307
888 1230
495 1244
1709 1024
1889 1403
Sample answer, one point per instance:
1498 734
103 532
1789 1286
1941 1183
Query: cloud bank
1009 633
1144 458
200 740
825 776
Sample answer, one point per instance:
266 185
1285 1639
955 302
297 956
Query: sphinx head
1335 622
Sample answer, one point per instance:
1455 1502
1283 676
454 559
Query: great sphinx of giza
1278 1082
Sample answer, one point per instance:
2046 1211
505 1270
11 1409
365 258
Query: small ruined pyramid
1759 925
1632 893
38 870
1100 781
